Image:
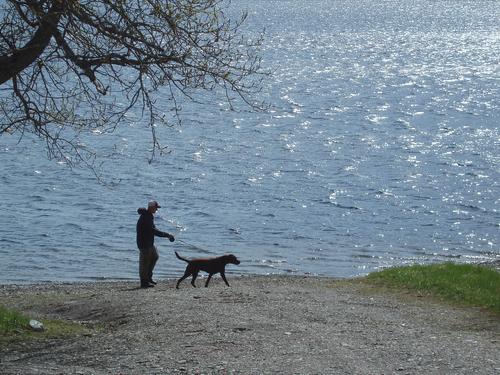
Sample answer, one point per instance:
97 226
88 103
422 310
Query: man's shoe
153 282
147 285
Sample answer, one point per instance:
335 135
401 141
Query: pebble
36 325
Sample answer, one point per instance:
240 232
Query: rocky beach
259 325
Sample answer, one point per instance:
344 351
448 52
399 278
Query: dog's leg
188 272
195 275
208 279
223 275
182 278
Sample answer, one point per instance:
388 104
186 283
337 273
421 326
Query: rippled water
381 148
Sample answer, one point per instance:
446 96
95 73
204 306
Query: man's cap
153 204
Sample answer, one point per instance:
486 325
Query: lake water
381 148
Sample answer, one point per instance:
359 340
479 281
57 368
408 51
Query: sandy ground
260 325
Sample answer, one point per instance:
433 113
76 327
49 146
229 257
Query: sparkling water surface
380 148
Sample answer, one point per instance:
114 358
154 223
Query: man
148 255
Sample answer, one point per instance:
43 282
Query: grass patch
14 326
463 284
11 321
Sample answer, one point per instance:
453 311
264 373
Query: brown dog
209 265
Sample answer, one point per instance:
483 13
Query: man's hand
171 238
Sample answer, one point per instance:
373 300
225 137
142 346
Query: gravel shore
260 325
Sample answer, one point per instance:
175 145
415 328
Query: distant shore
260 325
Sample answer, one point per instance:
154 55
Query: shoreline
260 325
495 263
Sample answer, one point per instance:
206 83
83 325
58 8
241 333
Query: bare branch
21 58
58 54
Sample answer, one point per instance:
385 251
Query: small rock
37 326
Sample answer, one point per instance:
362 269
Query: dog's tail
181 258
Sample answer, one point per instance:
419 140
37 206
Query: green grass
11 321
463 284
15 326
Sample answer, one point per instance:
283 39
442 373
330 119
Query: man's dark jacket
146 230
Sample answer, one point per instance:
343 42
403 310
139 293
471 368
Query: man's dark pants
147 262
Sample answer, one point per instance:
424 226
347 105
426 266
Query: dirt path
261 325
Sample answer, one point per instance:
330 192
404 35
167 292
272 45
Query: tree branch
21 58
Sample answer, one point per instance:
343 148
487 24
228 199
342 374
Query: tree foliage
68 66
